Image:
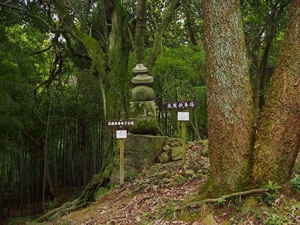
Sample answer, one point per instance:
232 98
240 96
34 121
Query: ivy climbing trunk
278 134
230 108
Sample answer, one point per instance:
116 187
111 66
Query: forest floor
158 196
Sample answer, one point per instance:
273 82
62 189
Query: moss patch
145 126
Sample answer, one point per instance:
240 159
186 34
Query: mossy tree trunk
95 52
278 134
229 98
110 67
140 30
117 81
236 161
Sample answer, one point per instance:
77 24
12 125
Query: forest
66 67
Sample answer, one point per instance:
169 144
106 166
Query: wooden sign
121 134
183 116
116 124
180 105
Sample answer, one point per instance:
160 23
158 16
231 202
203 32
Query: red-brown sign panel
180 105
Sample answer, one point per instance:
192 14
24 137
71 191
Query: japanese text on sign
120 123
180 105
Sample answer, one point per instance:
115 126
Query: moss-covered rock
164 157
177 153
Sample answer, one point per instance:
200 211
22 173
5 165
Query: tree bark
270 31
113 81
257 91
229 98
118 82
96 54
278 134
140 30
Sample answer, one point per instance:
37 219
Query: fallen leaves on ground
151 197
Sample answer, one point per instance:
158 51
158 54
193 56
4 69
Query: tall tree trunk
41 144
140 30
49 183
95 52
257 91
230 108
278 135
118 57
275 13
193 32
118 82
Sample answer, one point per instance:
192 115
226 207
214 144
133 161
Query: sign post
121 142
182 116
121 135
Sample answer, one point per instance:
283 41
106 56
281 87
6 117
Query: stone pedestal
145 114
142 105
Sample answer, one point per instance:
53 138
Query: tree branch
41 51
26 12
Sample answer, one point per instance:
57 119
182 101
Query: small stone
167 148
180 172
163 157
190 173
165 173
176 153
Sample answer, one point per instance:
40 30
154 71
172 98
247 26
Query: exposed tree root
87 196
197 204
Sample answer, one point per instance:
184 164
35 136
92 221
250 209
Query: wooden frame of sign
182 116
121 134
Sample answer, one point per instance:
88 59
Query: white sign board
121 134
183 116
